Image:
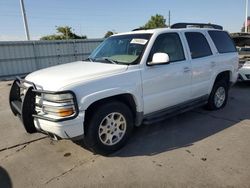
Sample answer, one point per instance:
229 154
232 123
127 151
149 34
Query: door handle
187 69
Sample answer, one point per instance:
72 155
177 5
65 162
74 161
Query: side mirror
159 58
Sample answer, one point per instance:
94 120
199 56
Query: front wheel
219 95
109 127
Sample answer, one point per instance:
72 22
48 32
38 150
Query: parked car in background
132 78
244 71
244 63
244 53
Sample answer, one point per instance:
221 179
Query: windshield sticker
139 41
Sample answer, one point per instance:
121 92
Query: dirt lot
195 149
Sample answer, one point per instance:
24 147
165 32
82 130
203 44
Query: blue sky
94 17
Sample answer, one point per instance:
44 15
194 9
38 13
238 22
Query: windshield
124 49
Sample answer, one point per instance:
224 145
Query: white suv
131 78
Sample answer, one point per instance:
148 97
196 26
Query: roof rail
138 29
199 25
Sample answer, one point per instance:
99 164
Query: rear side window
198 45
222 41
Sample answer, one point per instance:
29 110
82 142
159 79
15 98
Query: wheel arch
226 74
125 98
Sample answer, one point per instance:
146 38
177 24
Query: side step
173 111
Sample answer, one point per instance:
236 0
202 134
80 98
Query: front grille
248 76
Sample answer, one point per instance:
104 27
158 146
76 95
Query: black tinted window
198 45
222 41
169 43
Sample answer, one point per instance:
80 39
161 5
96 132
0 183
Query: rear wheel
219 95
109 127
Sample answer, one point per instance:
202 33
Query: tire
109 128
219 95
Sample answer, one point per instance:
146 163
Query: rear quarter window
222 41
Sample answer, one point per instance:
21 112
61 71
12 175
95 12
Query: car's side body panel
225 62
165 85
168 84
128 82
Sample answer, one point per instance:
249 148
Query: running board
175 110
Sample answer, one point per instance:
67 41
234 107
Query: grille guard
24 107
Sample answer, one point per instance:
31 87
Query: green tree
157 21
63 33
108 34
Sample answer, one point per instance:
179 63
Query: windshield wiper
111 61
89 59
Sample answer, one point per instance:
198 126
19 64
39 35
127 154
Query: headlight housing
59 98
56 105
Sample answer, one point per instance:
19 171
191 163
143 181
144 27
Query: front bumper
24 106
70 129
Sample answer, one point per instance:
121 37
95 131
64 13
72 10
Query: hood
57 77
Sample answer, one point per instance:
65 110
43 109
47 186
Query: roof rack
138 29
195 25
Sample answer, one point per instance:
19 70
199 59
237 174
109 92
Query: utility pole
25 20
169 17
246 20
67 36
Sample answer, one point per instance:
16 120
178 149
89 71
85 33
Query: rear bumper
23 106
